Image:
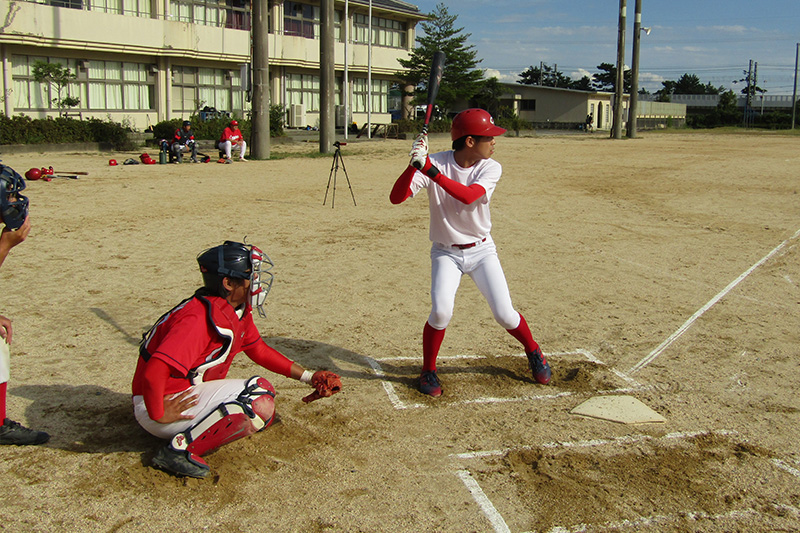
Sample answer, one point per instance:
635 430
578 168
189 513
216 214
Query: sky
713 40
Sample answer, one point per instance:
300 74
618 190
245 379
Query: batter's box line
397 403
500 526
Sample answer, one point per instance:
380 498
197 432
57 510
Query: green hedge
21 129
212 129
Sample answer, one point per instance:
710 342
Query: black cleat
180 463
539 367
15 433
429 384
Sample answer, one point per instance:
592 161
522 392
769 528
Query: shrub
21 129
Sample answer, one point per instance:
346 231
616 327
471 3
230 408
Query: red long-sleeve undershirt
157 372
463 193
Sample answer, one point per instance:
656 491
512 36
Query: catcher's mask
13 206
240 261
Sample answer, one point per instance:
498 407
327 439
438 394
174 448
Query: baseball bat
76 172
435 80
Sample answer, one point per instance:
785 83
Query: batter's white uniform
462 243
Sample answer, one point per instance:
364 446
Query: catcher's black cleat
429 384
539 367
15 433
178 462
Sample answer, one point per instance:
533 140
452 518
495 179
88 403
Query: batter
460 183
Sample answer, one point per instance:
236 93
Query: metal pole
637 30
794 91
345 83
369 74
260 104
616 130
327 124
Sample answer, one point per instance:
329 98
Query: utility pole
748 92
794 91
619 89
260 104
634 102
327 124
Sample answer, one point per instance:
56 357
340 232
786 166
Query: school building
144 61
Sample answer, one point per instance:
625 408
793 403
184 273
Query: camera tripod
337 159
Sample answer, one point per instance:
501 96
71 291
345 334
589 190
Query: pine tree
461 78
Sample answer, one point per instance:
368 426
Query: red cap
476 122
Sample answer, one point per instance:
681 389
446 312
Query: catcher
179 388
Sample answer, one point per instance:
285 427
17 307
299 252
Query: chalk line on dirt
686 325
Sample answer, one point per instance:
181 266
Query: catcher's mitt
325 384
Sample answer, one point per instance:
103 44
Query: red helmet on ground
476 122
234 123
112 162
33 174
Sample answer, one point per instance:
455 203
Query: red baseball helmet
234 123
476 122
33 174
112 162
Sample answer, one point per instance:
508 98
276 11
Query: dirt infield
666 268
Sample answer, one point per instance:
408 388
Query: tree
546 76
606 79
583 84
58 77
461 78
488 97
686 84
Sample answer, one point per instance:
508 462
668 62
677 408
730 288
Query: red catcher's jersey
198 340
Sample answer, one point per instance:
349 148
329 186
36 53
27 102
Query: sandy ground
665 267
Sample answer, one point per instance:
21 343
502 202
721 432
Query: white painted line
388 387
626 439
483 502
686 325
783 466
400 404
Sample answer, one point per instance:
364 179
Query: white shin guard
252 411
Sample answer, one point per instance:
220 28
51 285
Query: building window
29 94
380 95
385 32
303 89
196 88
233 14
527 105
116 85
303 20
137 8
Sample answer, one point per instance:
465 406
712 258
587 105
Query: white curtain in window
114 96
97 96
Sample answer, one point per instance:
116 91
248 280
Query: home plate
623 409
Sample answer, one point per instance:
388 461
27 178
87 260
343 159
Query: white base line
375 363
686 325
483 502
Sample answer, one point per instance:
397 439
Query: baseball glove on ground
325 384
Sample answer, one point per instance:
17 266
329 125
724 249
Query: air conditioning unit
341 119
297 116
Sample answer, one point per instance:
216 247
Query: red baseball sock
3 387
523 335
431 342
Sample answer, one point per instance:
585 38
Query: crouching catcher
180 390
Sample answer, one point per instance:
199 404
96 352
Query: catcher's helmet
240 261
13 206
476 122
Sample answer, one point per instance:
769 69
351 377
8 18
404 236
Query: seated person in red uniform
180 390
231 138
